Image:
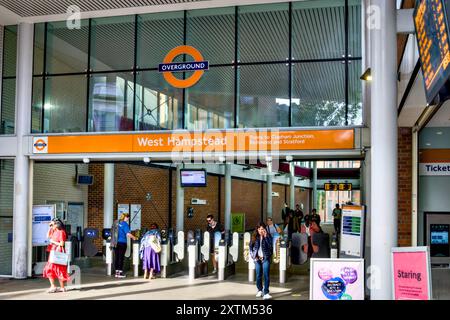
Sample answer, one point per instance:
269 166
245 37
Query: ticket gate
172 252
228 255
198 254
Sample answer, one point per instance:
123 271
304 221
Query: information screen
193 178
439 240
430 20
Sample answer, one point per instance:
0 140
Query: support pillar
21 218
292 185
108 196
180 201
269 191
384 176
228 196
314 205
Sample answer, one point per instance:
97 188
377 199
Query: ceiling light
289 158
146 159
428 144
439 133
367 75
86 160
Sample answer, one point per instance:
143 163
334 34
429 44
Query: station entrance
178 198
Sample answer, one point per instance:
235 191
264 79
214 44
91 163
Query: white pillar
415 176
292 185
180 201
108 196
21 168
228 196
384 147
269 191
314 185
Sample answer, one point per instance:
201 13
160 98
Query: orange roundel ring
40 145
194 78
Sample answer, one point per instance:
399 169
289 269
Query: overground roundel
198 66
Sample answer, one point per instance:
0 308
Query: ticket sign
336 279
330 187
411 273
337 187
345 187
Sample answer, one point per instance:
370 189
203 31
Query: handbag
154 243
57 257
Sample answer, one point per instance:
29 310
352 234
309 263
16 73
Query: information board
430 20
122 208
135 217
411 273
352 231
75 216
336 279
238 222
41 217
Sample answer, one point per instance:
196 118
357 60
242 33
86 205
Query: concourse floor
95 285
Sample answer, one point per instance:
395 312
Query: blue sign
183 66
42 218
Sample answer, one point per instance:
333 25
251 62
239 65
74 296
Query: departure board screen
430 20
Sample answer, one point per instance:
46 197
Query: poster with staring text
336 279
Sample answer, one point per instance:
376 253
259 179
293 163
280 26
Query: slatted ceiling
355 43
213 36
27 8
263 36
318 33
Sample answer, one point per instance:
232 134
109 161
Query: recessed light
439 133
428 144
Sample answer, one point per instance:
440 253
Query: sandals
52 290
62 289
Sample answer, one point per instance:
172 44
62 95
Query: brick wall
95 200
404 186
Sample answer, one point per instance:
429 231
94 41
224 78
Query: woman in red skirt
56 271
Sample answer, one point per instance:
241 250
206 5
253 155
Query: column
108 196
314 205
269 191
228 196
180 201
384 147
21 219
292 185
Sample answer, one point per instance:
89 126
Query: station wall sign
186 141
434 162
337 186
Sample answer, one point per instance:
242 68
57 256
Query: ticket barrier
172 252
136 258
198 254
247 257
228 255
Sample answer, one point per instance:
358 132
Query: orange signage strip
220 141
434 155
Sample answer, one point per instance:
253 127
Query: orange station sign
217 141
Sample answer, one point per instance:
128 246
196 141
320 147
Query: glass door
6 216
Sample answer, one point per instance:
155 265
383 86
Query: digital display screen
430 20
193 178
85 179
439 240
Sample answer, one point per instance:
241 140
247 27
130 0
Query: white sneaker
259 294
267 296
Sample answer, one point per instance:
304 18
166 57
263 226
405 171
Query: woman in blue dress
149 250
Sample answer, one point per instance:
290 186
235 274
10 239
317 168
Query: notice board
41 217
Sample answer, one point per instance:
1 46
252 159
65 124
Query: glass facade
6 215
8 92
272 65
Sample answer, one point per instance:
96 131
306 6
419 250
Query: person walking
123 234
273 228
337 216
149 251
54 271
261 250
213 227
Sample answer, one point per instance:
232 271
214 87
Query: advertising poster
135 217
336 279
42 215
411 273
238 222
352 231
122 208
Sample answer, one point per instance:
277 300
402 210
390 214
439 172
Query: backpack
114 233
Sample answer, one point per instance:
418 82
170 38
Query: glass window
67 49
111 102
354 28
8 107
318 29
263 96
112 43
263 33
159 106
9 51
355 107
318 94
65 104
6 215
36 106
211 31
158 33
38 53
213 96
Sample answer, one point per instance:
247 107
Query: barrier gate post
222 259
108 257
164 257
192 256
283 260
68 247
136 258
